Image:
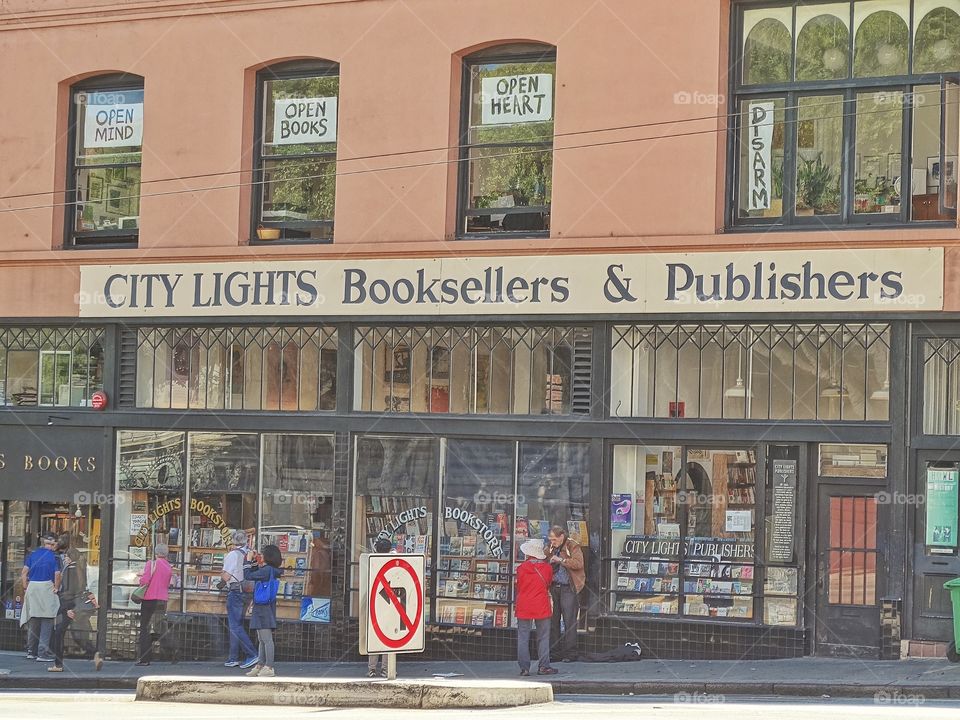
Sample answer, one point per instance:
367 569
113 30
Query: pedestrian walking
533 607
377 662
265 575
237 603
569 577
73 592
156 576
40 578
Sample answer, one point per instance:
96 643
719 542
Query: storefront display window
396 481
223 472
683 528
296 515
507 150
825 62
865 461
491 370
50 367
234 368
150 507
297 152
474 575
761 372
107 116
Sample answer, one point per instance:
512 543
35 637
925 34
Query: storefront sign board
52 464
782 535
843 280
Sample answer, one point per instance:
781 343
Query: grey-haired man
232 575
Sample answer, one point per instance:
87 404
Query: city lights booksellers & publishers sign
861 280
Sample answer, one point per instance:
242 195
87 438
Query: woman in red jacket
533 606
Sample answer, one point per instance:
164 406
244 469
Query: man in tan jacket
568 580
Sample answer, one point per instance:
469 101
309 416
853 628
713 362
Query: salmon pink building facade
453 274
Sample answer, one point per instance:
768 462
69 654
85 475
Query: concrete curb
408 694
882 693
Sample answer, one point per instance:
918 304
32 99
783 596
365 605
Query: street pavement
811 677
21 706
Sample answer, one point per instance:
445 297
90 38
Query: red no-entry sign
393 603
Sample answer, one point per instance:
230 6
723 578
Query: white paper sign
137 522
516 99
304 120
107 126
759 169
739 520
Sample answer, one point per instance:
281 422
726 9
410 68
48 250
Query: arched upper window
937 43
106 140
882 45
766 53
823 49
295 158
506 168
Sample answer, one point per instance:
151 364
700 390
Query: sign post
392 606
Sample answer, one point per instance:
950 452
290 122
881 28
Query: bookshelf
648 586
473 587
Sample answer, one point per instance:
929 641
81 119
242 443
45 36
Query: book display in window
647 577
295 547
474 577
780 602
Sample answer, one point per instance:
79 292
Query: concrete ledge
413 694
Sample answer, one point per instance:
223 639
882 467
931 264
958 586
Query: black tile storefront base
204 637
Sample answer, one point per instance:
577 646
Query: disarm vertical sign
760 171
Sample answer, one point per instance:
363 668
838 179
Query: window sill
291 241
505 235
102 242
832 227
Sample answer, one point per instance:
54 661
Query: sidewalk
885 680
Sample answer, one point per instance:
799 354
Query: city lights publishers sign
843 280
760 170
112 126
511 99
298 121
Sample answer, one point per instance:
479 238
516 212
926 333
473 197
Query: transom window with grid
233 368
482 370
762 371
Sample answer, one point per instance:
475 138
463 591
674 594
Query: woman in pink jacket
156 576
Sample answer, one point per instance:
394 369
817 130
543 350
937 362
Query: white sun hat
533 548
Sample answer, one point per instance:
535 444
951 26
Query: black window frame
849 87
287 71
504 53
95 239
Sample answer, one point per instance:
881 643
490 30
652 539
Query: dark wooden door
849 567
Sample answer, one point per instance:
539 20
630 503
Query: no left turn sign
392 590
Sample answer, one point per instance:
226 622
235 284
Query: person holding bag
265 575
155 581
533 608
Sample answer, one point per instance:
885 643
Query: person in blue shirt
40 578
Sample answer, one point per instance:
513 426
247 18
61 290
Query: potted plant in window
814 183
776 201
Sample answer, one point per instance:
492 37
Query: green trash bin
953 587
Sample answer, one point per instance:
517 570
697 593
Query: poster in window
113 126
510 99
300 121
942 497
760 116
621 511
94 188
398 370
440 363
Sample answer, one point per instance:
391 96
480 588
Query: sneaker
55 668
372 673
256 671
31 656
548 671
42 658
232 663
525 673
383 672
143 663
97 661
267 672
249 663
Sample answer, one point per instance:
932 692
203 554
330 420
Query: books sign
298 121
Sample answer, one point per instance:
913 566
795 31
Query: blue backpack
265 591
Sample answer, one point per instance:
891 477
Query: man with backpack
237 602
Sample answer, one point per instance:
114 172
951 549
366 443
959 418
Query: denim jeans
566 605
39 631
524 627
62 624
238 636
